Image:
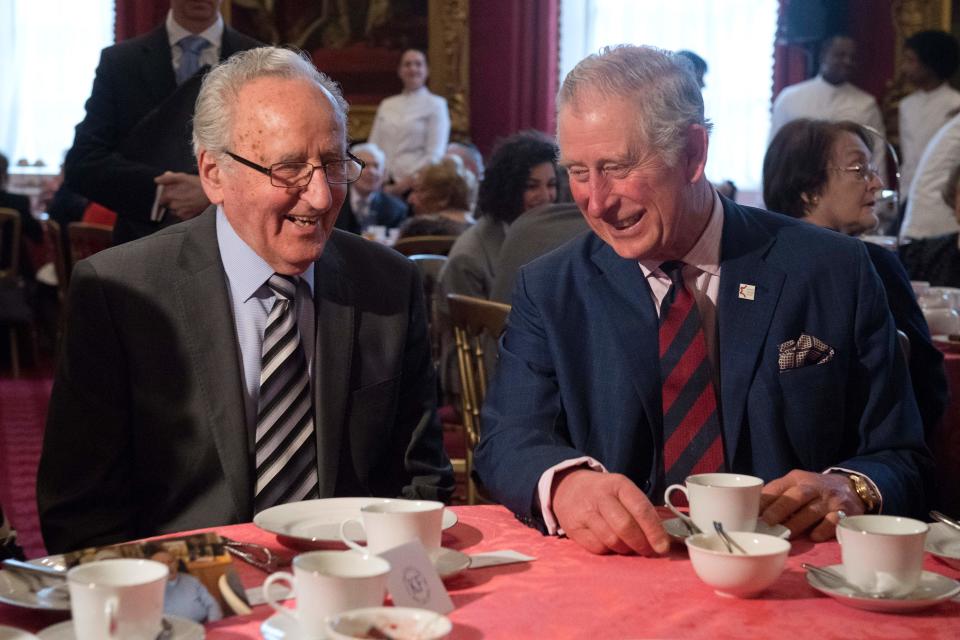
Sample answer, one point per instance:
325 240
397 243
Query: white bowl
738 575
400 623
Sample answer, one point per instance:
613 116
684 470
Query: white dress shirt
412 128
927 214
213 34
922 113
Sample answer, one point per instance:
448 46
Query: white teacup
327 583
391 523
121 598
882 554
729 498
942 321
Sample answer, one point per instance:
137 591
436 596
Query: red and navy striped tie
692 442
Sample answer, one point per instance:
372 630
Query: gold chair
435 245
477 323
87 239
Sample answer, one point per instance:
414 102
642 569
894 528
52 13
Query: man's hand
606 512
182 194
802 500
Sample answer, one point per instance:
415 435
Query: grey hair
213 115
658 82
372 149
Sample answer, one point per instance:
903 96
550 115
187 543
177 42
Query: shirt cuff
873 485
545 489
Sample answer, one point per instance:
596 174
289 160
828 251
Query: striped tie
190 47
286 451
691 427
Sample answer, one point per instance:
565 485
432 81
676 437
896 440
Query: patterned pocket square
803 351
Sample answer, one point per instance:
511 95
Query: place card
413 581
494 558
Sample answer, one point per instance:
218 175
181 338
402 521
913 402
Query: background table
570 593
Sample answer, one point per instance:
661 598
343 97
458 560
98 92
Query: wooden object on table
477 323
435 245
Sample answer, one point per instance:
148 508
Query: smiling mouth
626 223
302 221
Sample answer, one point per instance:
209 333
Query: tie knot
194 44
674 271
284 287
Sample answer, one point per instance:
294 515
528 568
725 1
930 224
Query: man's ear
211 176
695 152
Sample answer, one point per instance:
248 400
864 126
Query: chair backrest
430 266
477 323
87 239
434 245
53 252
9 243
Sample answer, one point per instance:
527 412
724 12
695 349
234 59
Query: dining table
568 592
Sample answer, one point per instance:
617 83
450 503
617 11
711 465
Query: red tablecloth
569 593
946 442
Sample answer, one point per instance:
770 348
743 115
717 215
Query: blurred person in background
366 203
440 200
937 259
31 233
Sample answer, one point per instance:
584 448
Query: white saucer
679 532
183 629
933 589
944 543
281 627
450 562
12 633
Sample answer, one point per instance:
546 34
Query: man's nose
318 194
598 193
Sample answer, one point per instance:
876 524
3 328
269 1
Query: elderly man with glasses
249 357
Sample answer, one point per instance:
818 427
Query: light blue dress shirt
251 300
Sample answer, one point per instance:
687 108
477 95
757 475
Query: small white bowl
737 575
401 623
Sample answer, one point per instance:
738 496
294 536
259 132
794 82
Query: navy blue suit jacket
579 368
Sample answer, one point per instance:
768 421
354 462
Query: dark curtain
136 17
791 62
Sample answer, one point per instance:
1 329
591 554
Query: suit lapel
743 322
335 327
156 68
205 309
624 296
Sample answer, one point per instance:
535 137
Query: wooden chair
477 323
430 266
87 239
434 245
15 310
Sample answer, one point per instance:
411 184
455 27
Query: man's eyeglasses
299 174
864 171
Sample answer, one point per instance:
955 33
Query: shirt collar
705 253
212 34
246 270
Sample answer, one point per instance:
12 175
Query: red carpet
23 413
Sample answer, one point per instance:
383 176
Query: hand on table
607 512
802 500
182 194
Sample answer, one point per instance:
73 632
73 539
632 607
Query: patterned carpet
23 412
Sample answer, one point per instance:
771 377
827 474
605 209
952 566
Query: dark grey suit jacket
146 431
138 125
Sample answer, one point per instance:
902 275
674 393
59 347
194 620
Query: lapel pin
747 291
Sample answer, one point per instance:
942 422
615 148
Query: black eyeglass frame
268 171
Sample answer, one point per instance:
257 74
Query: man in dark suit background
769 342
366 203
132 151
250 356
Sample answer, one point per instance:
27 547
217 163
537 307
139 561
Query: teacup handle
346 539
666 499
271 579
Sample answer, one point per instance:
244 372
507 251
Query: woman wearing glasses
821 172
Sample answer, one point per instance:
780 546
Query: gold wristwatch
866 493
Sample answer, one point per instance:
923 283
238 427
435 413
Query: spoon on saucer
947 520
836 578
729 542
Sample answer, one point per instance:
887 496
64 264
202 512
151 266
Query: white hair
665 92
213 115
372 149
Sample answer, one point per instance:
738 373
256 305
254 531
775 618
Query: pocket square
803 351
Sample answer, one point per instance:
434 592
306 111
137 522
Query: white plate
933 589
943 541
15 590
319 520
676 529
451 562
281 627
183 629
11 633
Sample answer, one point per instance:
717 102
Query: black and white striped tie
286 453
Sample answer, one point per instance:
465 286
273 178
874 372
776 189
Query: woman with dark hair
820 172
937 259
521 175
